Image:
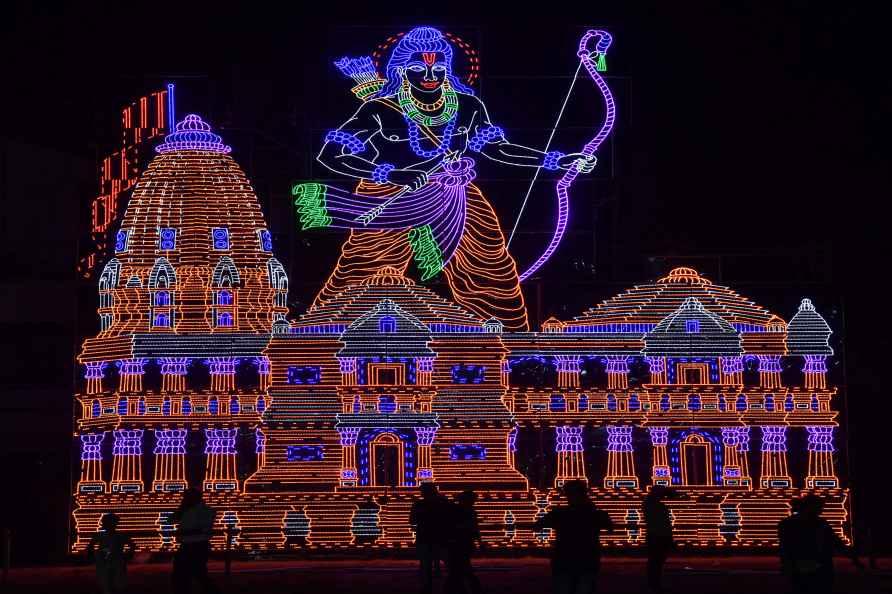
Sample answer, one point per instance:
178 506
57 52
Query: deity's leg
482 274
362 255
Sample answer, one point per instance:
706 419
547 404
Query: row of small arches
186 408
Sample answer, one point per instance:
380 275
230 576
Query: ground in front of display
739 573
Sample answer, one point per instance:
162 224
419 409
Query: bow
593 61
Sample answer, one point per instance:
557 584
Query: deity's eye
439 68
416 68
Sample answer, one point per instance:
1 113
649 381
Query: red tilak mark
429 58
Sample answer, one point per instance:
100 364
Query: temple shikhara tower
317 431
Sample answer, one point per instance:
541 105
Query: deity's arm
347 150
490 141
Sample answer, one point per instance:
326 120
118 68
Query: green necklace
407 104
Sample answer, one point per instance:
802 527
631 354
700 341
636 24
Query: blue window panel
634 403
162 298
694 402
304 453
583 402
692 326
141 406
558 403
815 405
122 406
224 319
220 238
161 320
165 407
788 403
664 402
387 325
213 406
96 410
468 374
741 403
224 297
611 403
167 238
261 404
386 404
467 452
769 402
122 240
266 240
187 406
234 405
304 375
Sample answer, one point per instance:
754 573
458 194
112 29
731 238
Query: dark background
750 146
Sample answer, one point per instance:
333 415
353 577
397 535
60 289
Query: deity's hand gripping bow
593 60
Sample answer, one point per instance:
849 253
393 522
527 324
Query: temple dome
388 283
692 331
193 252
808 333
684 275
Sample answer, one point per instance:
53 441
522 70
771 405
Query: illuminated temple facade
317 432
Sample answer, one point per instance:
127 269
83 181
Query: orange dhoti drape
481 273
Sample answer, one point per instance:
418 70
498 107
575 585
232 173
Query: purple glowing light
128 442
774 438
568 438
820 438
220 441
91 446
619 438
563 185
193 134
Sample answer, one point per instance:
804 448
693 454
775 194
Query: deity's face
426 71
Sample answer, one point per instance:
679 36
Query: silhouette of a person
196 525
807 545
111 562
465 533
658 541
429 517
576 554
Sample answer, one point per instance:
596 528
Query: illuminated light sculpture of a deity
410 145
316 432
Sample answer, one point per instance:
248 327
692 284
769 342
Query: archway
696 461
387 461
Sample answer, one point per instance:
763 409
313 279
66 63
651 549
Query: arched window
213 406
162 275
261 404
108 280
162 298
141 406
234 405
224 319
387 325
278 280
187 406
224 297
165 406
225 273
122 405
161 320
96 409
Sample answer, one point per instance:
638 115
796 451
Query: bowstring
547 145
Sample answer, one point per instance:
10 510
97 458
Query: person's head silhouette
576 492
109 521
811 505
466 498
428 490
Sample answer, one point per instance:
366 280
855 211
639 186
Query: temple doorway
696 458
387 461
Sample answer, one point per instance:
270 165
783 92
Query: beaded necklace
410 105
415 141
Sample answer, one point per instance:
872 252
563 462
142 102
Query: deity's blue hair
419 39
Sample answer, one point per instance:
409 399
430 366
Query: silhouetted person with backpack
429 517
807 545
658 541
108 547
576 554
196 526
465 533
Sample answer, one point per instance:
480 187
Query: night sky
750 145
